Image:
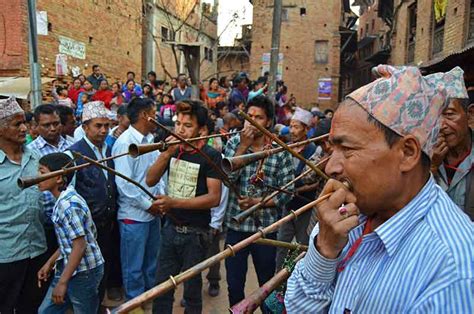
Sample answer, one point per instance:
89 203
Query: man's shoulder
451 231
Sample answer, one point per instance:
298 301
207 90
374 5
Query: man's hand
43 273
247 202
163 203
439 152
334 227
247 136
59 292
171 150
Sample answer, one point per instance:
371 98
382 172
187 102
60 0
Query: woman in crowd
130 91
104 93
215 94
75 90
88 92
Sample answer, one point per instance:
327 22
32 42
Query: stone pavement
217 305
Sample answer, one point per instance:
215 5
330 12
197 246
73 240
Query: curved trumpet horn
136 150
231 164
26 182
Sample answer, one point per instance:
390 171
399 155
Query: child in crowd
63 98
79 262
168 110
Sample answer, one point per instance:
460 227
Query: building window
373 26
284 15
470 36
167 35
412 10
208 54
321 51
438 37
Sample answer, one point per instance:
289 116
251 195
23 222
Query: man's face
130 76
258 115
362 156
70 126
124 121
315 121
297 131
187 126
151 78
97 71
454 124
13 129
49 127
182 81
97 130
223 111
151 113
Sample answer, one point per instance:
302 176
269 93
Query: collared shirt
133 202
457 189
419 261
21 232
99 153
278 169
72 219
44 148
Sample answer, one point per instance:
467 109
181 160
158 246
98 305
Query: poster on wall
324 89
72 47
266 65
42 23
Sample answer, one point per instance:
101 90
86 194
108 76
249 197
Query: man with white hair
23 243
300 124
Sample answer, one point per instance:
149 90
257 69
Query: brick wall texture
456 29
112 31
298 37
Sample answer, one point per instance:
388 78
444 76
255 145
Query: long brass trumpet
26 182
231 164
136 150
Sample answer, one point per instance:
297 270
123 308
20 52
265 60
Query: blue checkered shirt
72 219
278 170
44 148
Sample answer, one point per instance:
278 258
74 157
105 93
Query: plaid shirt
44 148
72 219
278 170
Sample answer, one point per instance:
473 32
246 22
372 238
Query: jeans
214 274
263 259
19 289
179 252
139 245
294 228
82 292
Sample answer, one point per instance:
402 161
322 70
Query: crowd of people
407 153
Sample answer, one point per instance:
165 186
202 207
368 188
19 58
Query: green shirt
21 233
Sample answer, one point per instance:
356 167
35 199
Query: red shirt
105 96
74 93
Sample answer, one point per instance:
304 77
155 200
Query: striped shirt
419 261
72 219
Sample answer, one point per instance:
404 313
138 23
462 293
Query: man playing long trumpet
396 243
275 170
194 187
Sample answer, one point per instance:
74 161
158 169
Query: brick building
110 33
310 47
235 59
177 23
88 32
433 35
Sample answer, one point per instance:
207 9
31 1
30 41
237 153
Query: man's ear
410 151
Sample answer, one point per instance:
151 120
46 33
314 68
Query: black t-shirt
187 178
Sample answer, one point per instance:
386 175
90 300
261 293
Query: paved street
215 305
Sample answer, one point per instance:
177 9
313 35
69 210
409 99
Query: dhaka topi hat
94 109
407 102
9 107
303 116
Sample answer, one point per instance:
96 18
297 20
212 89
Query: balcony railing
438 40
411 52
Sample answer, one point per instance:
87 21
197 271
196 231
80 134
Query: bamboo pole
249 211
174 281
282 244
253 301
